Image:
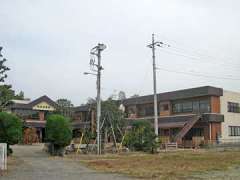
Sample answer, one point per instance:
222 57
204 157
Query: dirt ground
186 164
31 163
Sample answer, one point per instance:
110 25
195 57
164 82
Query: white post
3 156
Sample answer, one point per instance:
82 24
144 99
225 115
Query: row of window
202 106
233 107
234 130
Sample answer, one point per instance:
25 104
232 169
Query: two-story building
207 112
33 113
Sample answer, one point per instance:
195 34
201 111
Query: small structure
3 156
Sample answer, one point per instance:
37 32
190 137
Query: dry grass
170 165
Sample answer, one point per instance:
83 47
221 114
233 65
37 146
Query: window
164 107
196 106
149 111
234 130
177 108
204 106
187 107
233 107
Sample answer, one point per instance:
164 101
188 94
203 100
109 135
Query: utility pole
153 47
97 67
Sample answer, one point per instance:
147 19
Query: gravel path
37 165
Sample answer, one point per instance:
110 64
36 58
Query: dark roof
81 108
41 99
19 106
167 121
175 95
33 103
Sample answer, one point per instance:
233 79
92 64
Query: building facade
206 112
33 113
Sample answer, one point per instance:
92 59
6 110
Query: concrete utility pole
96 51
153 47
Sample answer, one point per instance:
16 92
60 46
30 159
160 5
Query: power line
204 53
199 59
198 74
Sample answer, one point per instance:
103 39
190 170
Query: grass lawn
170 165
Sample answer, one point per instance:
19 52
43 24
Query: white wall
230 119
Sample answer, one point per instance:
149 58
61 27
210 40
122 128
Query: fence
3 156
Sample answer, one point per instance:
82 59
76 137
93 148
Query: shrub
10 130
58 133
141 137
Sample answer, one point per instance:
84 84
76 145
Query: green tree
65 107
6 92
58 133
122 95
112 120
10 129
141 137
3 67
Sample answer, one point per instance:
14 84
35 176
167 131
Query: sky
47 45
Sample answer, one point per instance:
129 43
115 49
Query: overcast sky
47 45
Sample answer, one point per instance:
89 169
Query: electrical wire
198 74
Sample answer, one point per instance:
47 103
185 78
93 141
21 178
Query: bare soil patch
170 165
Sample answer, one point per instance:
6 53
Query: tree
65 107
10 129
141 137
112 120
58 133
121 95
20 96
134 96
6 92
3 67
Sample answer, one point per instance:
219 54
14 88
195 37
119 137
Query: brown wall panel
215 104
215 130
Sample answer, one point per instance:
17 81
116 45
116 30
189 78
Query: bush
58 133
141 137
10 130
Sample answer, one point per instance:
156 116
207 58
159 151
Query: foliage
88 136
65 107
134 96
58 131
121 95
141 137
3 67
112 119
10 129
6 92
19 96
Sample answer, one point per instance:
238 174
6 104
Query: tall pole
153 47
99 68
154 87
